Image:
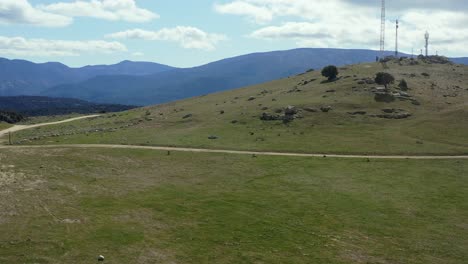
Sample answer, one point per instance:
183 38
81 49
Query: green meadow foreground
141 206
436 101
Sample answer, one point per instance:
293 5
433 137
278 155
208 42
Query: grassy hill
144 206
435 103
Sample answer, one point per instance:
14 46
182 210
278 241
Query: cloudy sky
192 32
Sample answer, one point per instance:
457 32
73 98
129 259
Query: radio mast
382 31
396 39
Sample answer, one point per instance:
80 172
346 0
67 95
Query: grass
437 126
140 206
4 125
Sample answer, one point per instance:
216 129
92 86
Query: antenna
396 39
382 30
426 36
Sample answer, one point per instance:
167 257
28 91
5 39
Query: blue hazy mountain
213 77
20 77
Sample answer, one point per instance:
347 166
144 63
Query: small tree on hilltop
330 72
384 79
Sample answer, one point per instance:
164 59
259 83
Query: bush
331 72
403 85
384 79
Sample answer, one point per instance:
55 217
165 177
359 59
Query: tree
384 79
330 72
403 85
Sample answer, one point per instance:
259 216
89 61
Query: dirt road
17 128
221 151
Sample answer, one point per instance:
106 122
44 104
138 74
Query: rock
311 110
251 98
234 121
389 110
100 258
384 97
361 82
290 110
395 116
187 116
213 137
270 117
414 102
331 91
326 109
358 113
425 74
264 108
279 111
221 112
370 81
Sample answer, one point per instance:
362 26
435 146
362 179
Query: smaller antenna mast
396 39
426 36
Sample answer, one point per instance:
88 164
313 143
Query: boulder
326 109
384 97
290 110
310 109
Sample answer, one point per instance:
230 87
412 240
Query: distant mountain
213 77
20 77
460 60
39 106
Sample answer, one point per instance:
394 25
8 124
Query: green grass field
437 126
139 206
4 125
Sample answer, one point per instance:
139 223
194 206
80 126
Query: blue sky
187 33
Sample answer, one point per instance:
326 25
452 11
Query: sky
186 33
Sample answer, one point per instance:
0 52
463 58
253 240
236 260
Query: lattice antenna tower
396 39
382 30
426 36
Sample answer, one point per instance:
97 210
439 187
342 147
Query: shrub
384 79
403 85
331 72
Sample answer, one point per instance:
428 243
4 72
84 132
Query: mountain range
144 83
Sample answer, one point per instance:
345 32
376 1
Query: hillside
20 77
41 106
214 77
329 117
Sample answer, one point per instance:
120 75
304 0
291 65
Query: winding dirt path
17 128
222 151
198 150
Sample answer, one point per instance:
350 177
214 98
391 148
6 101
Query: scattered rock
251 98
310 109
384 97
326 109
234 121
290 111
187 116
331 91
213 137
425 74
358 113
270 117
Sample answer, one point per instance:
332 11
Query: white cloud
21 12
125 10
354 23
186 37
20 46
258 14
138 54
